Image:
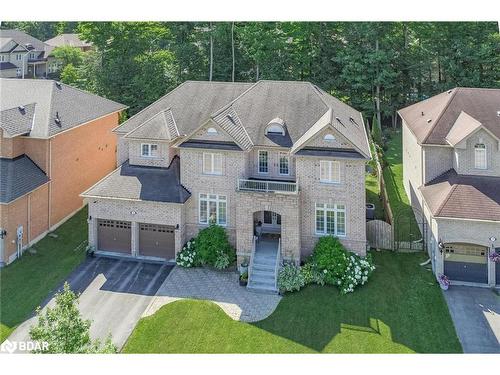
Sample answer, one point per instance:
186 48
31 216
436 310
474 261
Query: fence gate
379 234
410 230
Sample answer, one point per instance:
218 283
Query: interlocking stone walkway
221 288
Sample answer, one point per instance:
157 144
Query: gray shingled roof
441 111
463 196
18 177
245 110
7 65
191 104
159 127
72 40
142 183
54 100
18 120
212 145
22 38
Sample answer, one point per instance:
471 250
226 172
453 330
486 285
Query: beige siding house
451 172
285 157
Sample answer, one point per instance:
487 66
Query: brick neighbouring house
55 142
451 173
284 153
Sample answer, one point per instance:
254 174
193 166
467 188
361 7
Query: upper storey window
480 156
149 150
276 126
329 171
263 161
329 137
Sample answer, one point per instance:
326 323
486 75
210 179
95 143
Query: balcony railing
263 186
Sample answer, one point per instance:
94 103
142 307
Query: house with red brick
55 142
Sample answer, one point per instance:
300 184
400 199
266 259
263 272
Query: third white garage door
157 241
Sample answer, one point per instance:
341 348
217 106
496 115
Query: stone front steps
263 276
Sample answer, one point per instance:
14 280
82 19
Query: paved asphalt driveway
476 315
115 293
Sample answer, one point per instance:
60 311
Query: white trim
212 156
150 151
330 164
480 155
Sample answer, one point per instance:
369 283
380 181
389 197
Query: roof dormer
276 126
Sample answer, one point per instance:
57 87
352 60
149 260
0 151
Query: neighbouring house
69 40
23 56
286 154
55 142
451 171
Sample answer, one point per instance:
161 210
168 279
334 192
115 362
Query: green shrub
312 275
376 132
214 248
340 267
290 278
330 257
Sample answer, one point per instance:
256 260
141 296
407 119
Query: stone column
491 269
92 223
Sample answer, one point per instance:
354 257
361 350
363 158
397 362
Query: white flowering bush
357 272
188 256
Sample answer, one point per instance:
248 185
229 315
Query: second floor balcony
268 186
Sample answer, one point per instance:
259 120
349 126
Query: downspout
3 233
50 182
29 220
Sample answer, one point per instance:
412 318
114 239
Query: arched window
211 131
276 126
329 137
480 156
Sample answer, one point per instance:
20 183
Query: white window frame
330 208
328 166
282 156
19 56
32 56
275 129
3 58
267 161
219 200
150 150
480 156
329 137
212 157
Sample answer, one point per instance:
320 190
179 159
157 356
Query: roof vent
422 113
498 113
353 121
57 119
21 109
450 91
338 119
58 84
429 120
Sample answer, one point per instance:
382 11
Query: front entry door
272 221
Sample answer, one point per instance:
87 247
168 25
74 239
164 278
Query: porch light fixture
441 246
493 239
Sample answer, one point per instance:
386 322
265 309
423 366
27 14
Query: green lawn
400 310
393 177
26 283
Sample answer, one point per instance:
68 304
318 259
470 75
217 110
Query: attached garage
114 236
157 241
466 262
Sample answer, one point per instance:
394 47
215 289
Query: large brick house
451 171
55 142
286 154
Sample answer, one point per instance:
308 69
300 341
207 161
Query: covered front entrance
269 220
157 241
114 236
466 262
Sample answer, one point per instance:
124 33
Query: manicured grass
373 195
28 281
400 310
393 177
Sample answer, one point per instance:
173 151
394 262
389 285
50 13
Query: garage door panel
466 262
114 236
157 240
